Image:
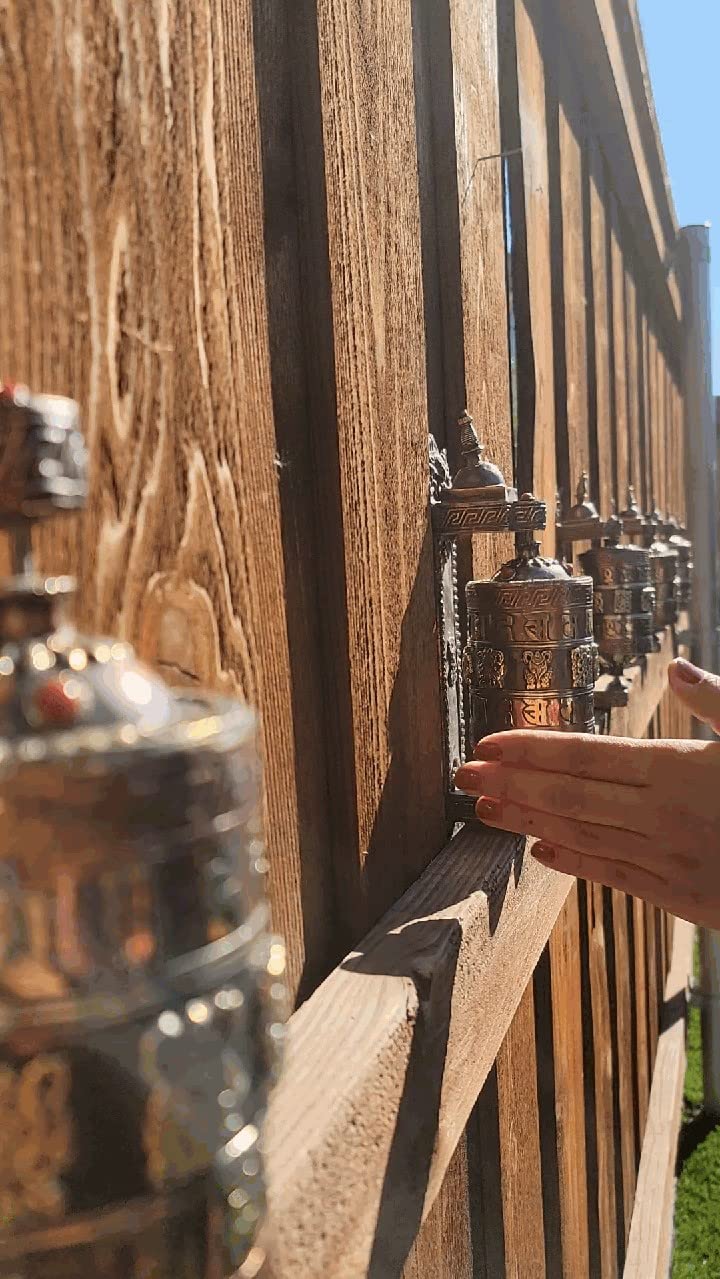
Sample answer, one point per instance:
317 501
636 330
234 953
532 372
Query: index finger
601 759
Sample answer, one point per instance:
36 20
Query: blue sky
682 39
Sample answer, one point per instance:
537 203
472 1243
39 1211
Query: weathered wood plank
623 1012
537 465
654 990
648 1255
642 1062
622 473
564 947
603 1080
636 163
574 450
385 1060
444 1246
634 387
370 446
521 1172
132 196
601 318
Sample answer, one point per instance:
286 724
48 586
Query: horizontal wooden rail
648 1255
385 1061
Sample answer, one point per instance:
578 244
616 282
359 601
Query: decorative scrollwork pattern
537 665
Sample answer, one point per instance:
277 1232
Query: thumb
698 690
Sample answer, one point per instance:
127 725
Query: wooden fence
269 246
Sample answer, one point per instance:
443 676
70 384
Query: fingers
625 875
602 803
698 690
608 759
606 842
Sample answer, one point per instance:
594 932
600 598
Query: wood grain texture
613 104
479 195
634 387
617 267
640 983
443 1247
648 1255
606 1264
601 320
567 1036
132 195
361 196
518 1122
536 343
623 1013
575 320
383 1061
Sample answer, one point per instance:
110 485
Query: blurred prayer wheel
141 992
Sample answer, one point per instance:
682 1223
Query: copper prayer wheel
530 659
623 605
140 988
678 539
664 560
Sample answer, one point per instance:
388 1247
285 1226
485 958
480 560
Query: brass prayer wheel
623 605
530 660
141 991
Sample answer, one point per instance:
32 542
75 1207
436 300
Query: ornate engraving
608 577
623 601
582 660
538 628
540 712
569 626
35 1139
599 602
440 478
537 665
493 517
490 667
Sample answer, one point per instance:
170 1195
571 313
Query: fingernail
688 673
468 780
544 852
487 750
487 808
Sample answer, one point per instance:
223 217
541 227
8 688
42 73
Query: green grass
697 1207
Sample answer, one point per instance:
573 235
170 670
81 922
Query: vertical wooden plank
479 209
633 387
538 468
564 947
520 1146
575 299
602 1057
303 546
622 475
371 448
653 998
641 1014
624 1016
131 245
485 1176
644 360
599 239
443 1247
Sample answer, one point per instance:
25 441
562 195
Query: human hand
641 816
